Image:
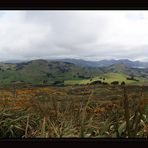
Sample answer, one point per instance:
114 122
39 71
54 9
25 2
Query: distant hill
54 71
119 68
86 63
80 62
105 63
43 72
126 69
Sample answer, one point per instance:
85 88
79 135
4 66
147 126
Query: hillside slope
43 72
48 72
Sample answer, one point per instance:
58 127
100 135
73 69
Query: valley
43 72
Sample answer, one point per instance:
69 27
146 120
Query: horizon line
3 61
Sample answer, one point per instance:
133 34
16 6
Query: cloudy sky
90 35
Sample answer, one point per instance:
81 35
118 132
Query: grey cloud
80 34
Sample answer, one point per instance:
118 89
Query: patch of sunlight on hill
109 77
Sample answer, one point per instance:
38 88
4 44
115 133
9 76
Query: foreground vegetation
88 111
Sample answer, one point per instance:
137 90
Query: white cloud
83 34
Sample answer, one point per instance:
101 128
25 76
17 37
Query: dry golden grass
74 112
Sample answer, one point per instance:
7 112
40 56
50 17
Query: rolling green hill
109 77
43 72
51 72
116 72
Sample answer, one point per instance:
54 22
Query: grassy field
109 77
92 111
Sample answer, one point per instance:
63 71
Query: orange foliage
99 110
14 103
25 91
48 90
96 111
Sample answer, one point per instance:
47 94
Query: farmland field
84 111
